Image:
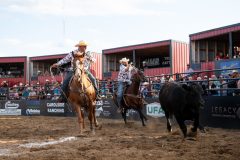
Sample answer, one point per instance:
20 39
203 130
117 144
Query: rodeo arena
159 100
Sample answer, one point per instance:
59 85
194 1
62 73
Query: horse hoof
93 132
192 134
99 127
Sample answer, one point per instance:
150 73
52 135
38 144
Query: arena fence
220 110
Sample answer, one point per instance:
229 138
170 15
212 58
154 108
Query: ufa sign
155 110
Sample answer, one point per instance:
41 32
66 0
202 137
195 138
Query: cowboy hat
124 60
145 83
234 71
81 43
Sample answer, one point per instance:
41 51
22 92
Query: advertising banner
155 110
52 108
10 108
221 112
33 107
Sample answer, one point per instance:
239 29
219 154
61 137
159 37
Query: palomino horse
82 94
131 96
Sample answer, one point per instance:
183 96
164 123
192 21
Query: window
202 46
211 51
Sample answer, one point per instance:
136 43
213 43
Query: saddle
73 89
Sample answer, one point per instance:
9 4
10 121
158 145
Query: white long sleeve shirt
69 58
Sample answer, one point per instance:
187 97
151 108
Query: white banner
155 110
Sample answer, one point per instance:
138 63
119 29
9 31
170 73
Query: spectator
32 93
156 84
109 85
223 85
144 90
4 90
47 87
171 79
205 85
162 78
212 86
189 71
233 83
25 93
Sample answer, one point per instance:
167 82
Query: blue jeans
66 81
120 93
93 80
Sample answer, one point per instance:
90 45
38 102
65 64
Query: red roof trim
47 57
138 46
12 59
215 32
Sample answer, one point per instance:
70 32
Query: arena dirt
114 140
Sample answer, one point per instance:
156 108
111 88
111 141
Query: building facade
162 57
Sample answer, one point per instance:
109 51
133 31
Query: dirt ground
57 138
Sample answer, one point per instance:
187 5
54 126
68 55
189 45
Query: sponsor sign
221 111
55 107
155 110
11 108
33 107
99 103
225 111
227 65
32 111
99 111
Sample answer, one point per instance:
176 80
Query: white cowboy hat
81 43
234 71
145 83
124 60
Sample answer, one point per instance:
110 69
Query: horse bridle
136 70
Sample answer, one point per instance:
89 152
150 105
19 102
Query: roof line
210 30
49 55
136 45
15 57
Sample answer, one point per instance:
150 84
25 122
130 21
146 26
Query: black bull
183 101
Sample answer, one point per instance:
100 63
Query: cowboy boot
120 108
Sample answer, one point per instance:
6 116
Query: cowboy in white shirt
123 77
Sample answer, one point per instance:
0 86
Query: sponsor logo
33 102
55 110
106 102
11 105
55 104
99 111
106 113
131 112
155 110
225 111
32 111
11 108
99 103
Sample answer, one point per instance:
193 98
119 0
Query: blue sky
45 27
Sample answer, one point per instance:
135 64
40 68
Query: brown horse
131 96
82 94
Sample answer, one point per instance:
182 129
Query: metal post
134 57
230 44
